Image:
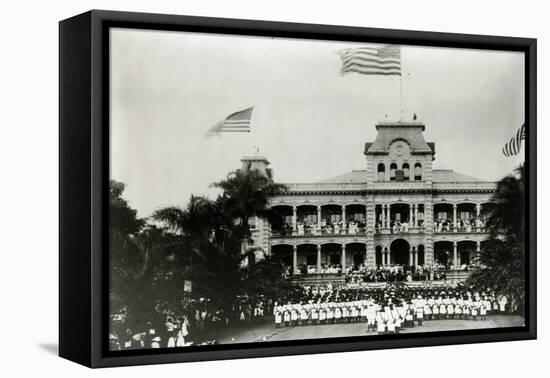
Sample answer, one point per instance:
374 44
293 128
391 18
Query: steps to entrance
452 276
317 279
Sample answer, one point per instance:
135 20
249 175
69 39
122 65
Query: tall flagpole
401 84
401 97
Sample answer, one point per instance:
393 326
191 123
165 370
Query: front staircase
452 277
457 275
317 279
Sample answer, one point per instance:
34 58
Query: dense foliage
502 258
206 243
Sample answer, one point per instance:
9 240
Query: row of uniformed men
390 316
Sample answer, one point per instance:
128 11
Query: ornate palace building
398 211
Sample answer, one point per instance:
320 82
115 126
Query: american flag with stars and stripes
514 145
238 122
368 60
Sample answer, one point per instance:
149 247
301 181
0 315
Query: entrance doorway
400 252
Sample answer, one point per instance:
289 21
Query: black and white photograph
267 189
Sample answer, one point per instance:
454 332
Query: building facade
397 211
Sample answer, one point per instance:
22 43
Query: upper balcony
313 230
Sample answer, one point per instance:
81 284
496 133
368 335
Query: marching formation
387 310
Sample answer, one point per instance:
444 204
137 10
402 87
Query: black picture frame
83 179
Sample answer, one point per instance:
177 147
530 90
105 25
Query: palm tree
507 218
213 233
146 270
246 194
502 258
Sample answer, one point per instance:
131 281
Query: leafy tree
145 267
213 233
502 258
245 195
126 257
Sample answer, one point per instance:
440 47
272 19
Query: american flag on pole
514 145
238 122
369 60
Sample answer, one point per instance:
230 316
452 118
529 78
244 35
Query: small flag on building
383 60
514 145
238 122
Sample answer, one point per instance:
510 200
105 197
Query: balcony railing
461 227
313 231
400 230
472 230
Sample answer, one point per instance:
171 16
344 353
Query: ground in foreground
266 331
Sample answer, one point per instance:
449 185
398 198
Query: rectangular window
442 216
311 218
288 219
335 218
465 215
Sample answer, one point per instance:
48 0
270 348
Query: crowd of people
198 318
396 273
396 226
385 273
353 227
325 227
386 310
476 224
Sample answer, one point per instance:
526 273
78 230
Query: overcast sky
169 88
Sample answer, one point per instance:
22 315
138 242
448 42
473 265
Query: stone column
294 218
389 257
455 257
411 215
319 217
318 258
416 257
383 216
343 258
478 250
294 259
416 215
344 217
388 216
454 219
478 213
410 256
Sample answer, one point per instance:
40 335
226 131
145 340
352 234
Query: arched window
378 255
417 172
406 171
381 172
393 169
421 257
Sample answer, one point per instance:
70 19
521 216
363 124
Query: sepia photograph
266 189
